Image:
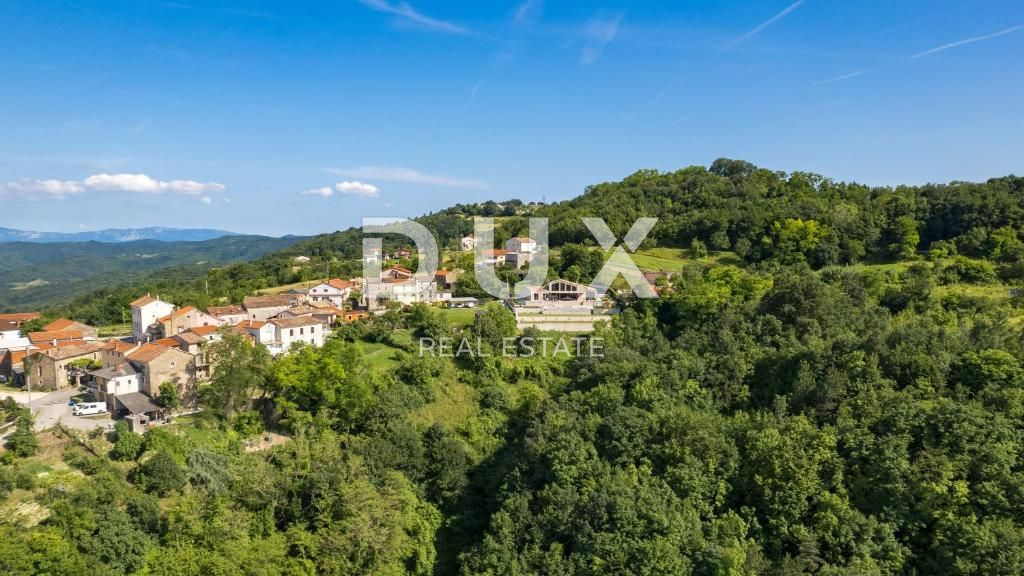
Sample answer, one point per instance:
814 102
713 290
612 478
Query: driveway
53 407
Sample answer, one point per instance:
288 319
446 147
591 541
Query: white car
90 408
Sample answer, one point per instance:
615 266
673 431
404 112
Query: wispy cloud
475 90
325 191
966 41
843 77
206 200
597 33
409 14
407 175
224 11
127 183
140 127
528 11
760 27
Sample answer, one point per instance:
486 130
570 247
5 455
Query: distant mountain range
115 235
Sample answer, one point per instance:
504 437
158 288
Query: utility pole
28 382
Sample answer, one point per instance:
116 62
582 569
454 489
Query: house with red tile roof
184 319
58 367
231 314
266 307
66 324
160 364
335 291
55 337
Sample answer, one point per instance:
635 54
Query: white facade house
13 340
260 331
288 331
520 251
521 244
335 291
420 288
493 257
116 380
145 312
561 293
372 256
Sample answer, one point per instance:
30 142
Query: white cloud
43 188
406 12
597 33
407 175
326 192
126 183
206 200
356 188
144 184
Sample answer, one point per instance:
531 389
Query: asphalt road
53 407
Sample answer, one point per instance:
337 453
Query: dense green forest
765 218
845 396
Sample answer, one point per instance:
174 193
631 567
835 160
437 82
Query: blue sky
304 116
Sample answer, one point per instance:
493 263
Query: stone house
159 364
55 368
264 308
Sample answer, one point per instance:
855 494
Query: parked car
90 408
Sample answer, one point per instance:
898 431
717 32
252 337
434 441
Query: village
125 377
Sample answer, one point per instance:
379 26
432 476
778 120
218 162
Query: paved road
53 407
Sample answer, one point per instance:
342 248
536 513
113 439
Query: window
302 331
291 332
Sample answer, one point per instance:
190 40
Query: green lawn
379 356
109 330
460 316
454 402
674 259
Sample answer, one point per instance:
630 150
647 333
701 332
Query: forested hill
762 216
757 213
35 274
768 414
115 235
